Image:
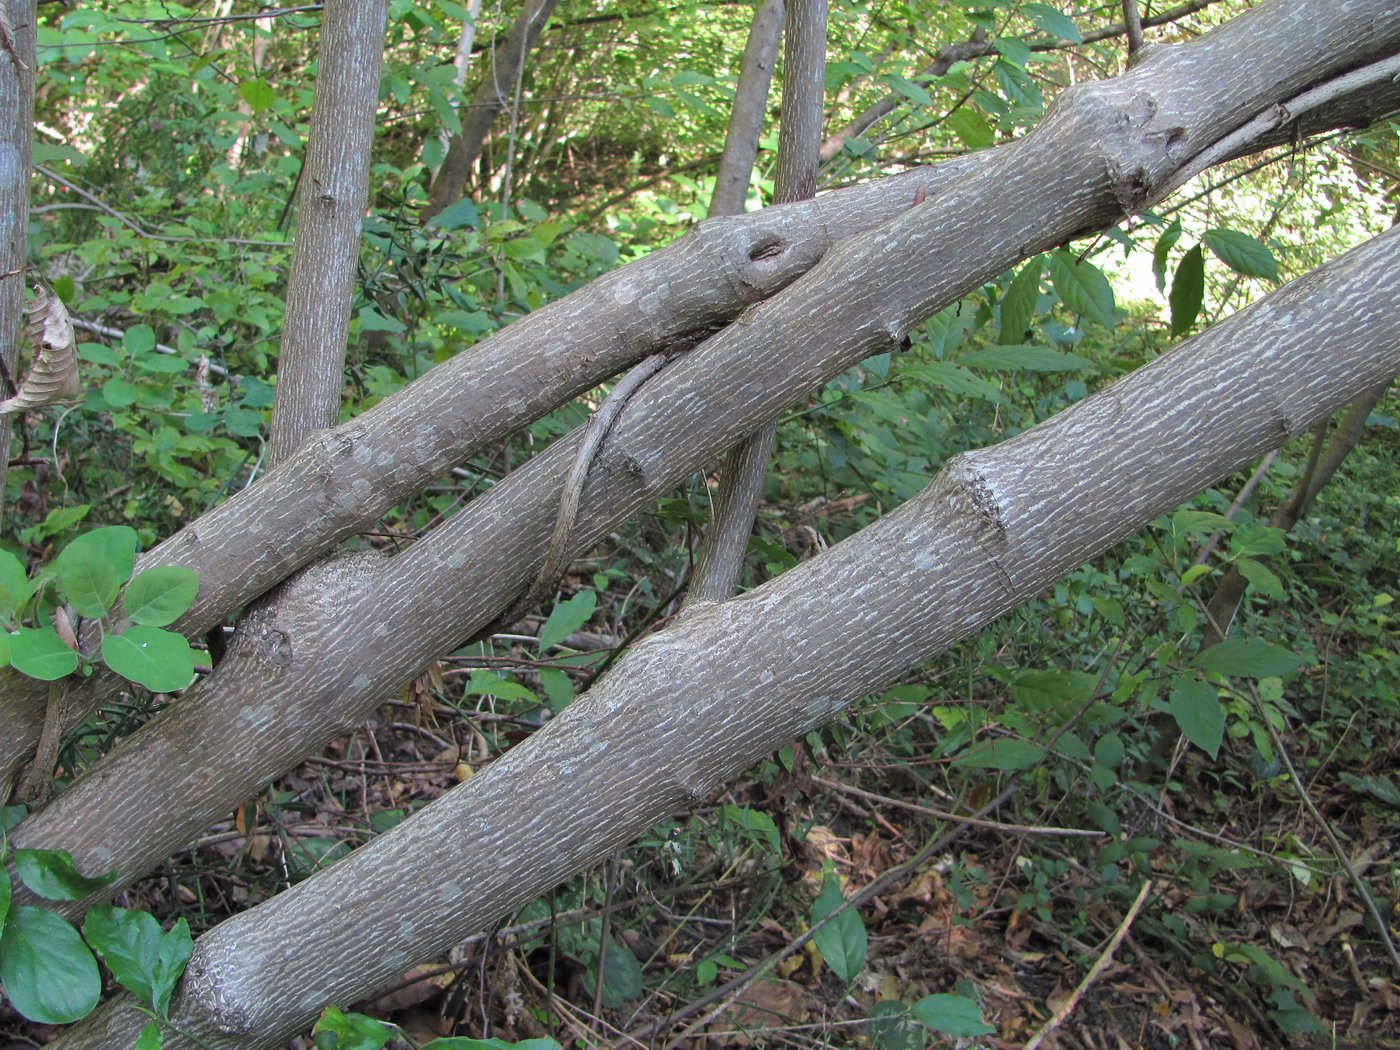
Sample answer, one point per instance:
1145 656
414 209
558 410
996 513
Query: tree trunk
16 140
507 60
334 191
350 632
691 707
721 558
750 106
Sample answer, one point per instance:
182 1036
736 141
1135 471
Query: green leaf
456 215
1007 755
1247 658
48 972
843 941
891 1026
915 93
258 94
1026 358
971 128
755 822
1056 23
566 618
14 584
243 422
145 960
7 893
622 976
150 1037
1018 304
52 875
160 595
118 393
1381 787
957 381
352 1031
40 653
371 320
139 339
557 686
1188 290
1198 713
1252 538
954 1015
1262 579
1161 250
114 543
88 579
1242 253
1082 287
160 660
488 683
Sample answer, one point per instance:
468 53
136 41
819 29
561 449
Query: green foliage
88 575
843 940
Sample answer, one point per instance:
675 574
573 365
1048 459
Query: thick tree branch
691 707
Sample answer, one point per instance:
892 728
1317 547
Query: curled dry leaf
54 373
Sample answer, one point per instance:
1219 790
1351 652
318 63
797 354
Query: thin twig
1356 880
957 818
1101 964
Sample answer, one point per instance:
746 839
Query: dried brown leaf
54 374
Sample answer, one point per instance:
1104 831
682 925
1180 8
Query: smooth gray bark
750 106
352 631
334 191
693 706
721 558
357 471
16 140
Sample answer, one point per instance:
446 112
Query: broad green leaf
352 1031
1247 658
14 584
258 94
1262 579
145 960
1382 787
371 320
1252 538
1007 755
566 618
40 653
1026 358
754 821
1198 713
1082 287
160 595
118 393
622 976
1242 253
891 1026
1187 522
150 1037
843 941
557 686
48 972
160 660
488 683
243 422
1053 690
915 93
88 579
1018 304
115 543
456 215
957 381
139 339
1056 23
1161 250
954 1015
971 128
1188 290
52 875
